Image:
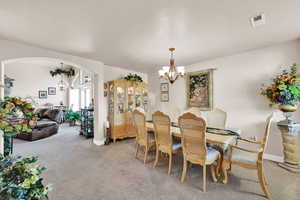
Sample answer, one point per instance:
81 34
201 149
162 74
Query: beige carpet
80 170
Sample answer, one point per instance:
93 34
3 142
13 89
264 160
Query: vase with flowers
284 91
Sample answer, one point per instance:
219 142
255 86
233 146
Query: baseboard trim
274 158
98 142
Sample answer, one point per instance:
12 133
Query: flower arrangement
16 115
20 179
197 83
285 88
133 77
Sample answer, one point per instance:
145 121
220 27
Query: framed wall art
164 92
43 94
105 89
164 87
164 96
200 89
51 91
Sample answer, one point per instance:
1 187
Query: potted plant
16 116
72 116
284 91
20 179
133 77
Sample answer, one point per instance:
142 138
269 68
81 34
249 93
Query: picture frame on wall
51 90
105 89
164 96
200 89
43 94
164 87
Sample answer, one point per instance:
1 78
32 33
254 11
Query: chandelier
171 73
62 84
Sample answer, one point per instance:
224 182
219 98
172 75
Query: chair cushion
176 146
212 155
45 123
243 156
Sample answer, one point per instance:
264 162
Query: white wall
237 83
36 77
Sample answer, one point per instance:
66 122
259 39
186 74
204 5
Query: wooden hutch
123 97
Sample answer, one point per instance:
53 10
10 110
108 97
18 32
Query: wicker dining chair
249 158
195 150
143 138
163 138
216 118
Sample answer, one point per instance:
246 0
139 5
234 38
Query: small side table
289 133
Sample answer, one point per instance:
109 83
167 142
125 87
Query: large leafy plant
285 88
20 179
16 115
72 116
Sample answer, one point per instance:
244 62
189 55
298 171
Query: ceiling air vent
258 20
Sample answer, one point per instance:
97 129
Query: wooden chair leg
224 171
265 180
156 157
213 172
170 163
262 182
204 178
146 154
137 150
219 165
184 170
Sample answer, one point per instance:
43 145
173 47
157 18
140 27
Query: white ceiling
136 34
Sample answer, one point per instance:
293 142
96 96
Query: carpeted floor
80 170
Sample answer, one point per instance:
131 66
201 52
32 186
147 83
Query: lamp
171 73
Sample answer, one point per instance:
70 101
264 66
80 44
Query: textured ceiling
136 34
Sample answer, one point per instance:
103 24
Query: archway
97 83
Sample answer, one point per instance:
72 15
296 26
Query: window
74 99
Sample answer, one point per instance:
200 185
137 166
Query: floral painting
199 89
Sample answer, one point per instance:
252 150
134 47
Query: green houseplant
20 179
133 77
16 116
72 116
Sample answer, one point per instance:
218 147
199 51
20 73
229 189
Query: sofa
47 125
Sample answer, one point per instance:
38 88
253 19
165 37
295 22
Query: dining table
221 138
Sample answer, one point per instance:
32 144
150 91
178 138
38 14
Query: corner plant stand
8 145
289 133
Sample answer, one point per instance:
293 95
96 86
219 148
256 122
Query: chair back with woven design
140 125
267 132
193 139
162 125
215 118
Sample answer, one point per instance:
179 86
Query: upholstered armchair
249 158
